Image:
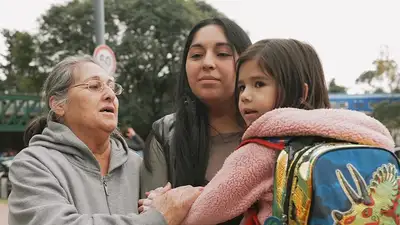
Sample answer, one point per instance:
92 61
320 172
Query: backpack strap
251 217
291 145
280 145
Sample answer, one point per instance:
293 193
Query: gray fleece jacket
57 181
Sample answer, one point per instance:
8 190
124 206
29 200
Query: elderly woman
77 169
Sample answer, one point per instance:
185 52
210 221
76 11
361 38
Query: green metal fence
16 111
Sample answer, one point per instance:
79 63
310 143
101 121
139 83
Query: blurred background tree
336 89
146 36
384 78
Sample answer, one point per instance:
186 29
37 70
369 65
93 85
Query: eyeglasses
98 86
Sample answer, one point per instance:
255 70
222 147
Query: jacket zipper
104 182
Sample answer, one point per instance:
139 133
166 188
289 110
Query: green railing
16 111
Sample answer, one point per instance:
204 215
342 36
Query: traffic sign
106 58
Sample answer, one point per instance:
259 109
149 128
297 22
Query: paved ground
3 214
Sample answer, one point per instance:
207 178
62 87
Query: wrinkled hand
144 204
174 204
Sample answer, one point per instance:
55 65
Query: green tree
334 88
386 71
388 114
20 67
146 36
385 75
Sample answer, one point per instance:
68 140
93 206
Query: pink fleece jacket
247 174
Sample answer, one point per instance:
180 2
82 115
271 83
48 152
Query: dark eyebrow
218 44
224 44
196 46
257 77
261 77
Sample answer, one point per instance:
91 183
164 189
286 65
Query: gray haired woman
77 169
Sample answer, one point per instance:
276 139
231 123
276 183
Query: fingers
193 194
168 186
154 194
140 202
196 191
183 187
147 202
175 203
159 191
186 194
144 205
143 209
144 202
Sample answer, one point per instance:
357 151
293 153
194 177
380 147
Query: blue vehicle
362 103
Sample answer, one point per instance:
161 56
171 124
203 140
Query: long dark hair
292 64
191 135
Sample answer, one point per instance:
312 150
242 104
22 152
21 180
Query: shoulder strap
264 142
295 143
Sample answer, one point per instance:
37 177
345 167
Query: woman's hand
176 203
144 204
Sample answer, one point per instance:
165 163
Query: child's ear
305 92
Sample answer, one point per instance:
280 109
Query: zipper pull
291 152
284 219
105 186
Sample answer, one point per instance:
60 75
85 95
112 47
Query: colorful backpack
321 181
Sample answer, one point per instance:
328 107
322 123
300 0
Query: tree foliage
334 88
388 113
146 36
385 72
385 77
20 68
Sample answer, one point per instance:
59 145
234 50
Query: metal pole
99 20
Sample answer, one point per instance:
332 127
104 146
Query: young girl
274 75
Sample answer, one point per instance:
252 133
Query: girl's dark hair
191 135
292 64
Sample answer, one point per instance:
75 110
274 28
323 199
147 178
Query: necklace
225 138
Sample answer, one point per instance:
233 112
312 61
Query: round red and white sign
106 57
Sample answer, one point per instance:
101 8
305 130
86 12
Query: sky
347 34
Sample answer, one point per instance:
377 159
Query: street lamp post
99 21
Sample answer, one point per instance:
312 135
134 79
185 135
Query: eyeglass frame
103 84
